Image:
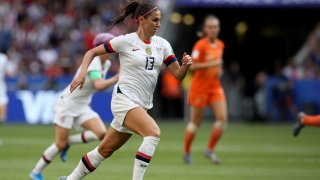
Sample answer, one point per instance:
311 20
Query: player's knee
222 118
61 145
155 132
192 127
220 124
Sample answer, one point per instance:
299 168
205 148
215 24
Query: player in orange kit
305 120
206 89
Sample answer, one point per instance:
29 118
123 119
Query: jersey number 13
149 63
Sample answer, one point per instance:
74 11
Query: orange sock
188 138
215 136
311 120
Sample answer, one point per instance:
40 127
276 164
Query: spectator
234 83
48 55
283 96
292 71
260 110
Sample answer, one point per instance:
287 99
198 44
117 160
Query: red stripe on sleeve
169 58
110 47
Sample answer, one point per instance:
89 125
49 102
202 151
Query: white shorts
120 106
68 120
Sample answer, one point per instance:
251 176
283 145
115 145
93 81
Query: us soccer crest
148 51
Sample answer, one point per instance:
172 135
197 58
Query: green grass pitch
249 152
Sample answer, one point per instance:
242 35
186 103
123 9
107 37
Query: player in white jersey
142 54
73 110
3 88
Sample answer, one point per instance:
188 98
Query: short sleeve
197 52
169 56
115 45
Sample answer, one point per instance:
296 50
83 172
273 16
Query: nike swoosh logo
135 49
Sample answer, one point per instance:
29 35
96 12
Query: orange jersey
207 80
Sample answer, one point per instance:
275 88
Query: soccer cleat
212 156
64 152
63 178
187 159
36 176
298 125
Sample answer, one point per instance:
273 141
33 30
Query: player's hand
186 60
78 81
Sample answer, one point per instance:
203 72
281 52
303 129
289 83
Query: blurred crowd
43 37
304 66
48 39
306 63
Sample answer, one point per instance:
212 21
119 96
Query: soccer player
73 110
206 89
142 54
305 120
3 88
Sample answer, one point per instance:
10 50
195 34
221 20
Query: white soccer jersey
3 87
81 98
140 64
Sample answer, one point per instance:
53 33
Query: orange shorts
202 100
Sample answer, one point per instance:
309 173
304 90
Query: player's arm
179 72
99 83
205 65
87 59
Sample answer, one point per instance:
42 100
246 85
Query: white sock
46 158
144 156
84 137
87 164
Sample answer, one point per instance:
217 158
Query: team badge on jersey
148 51
159 50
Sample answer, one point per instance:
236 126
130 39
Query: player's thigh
96 126
196 114
197 101
139 121
219 108
112 141
61 136
218 104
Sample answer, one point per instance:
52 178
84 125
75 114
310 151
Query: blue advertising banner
303 95
36 107
249 3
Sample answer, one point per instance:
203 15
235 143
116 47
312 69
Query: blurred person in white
260 96
292 71
234 84
3 88
73 110
48 55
